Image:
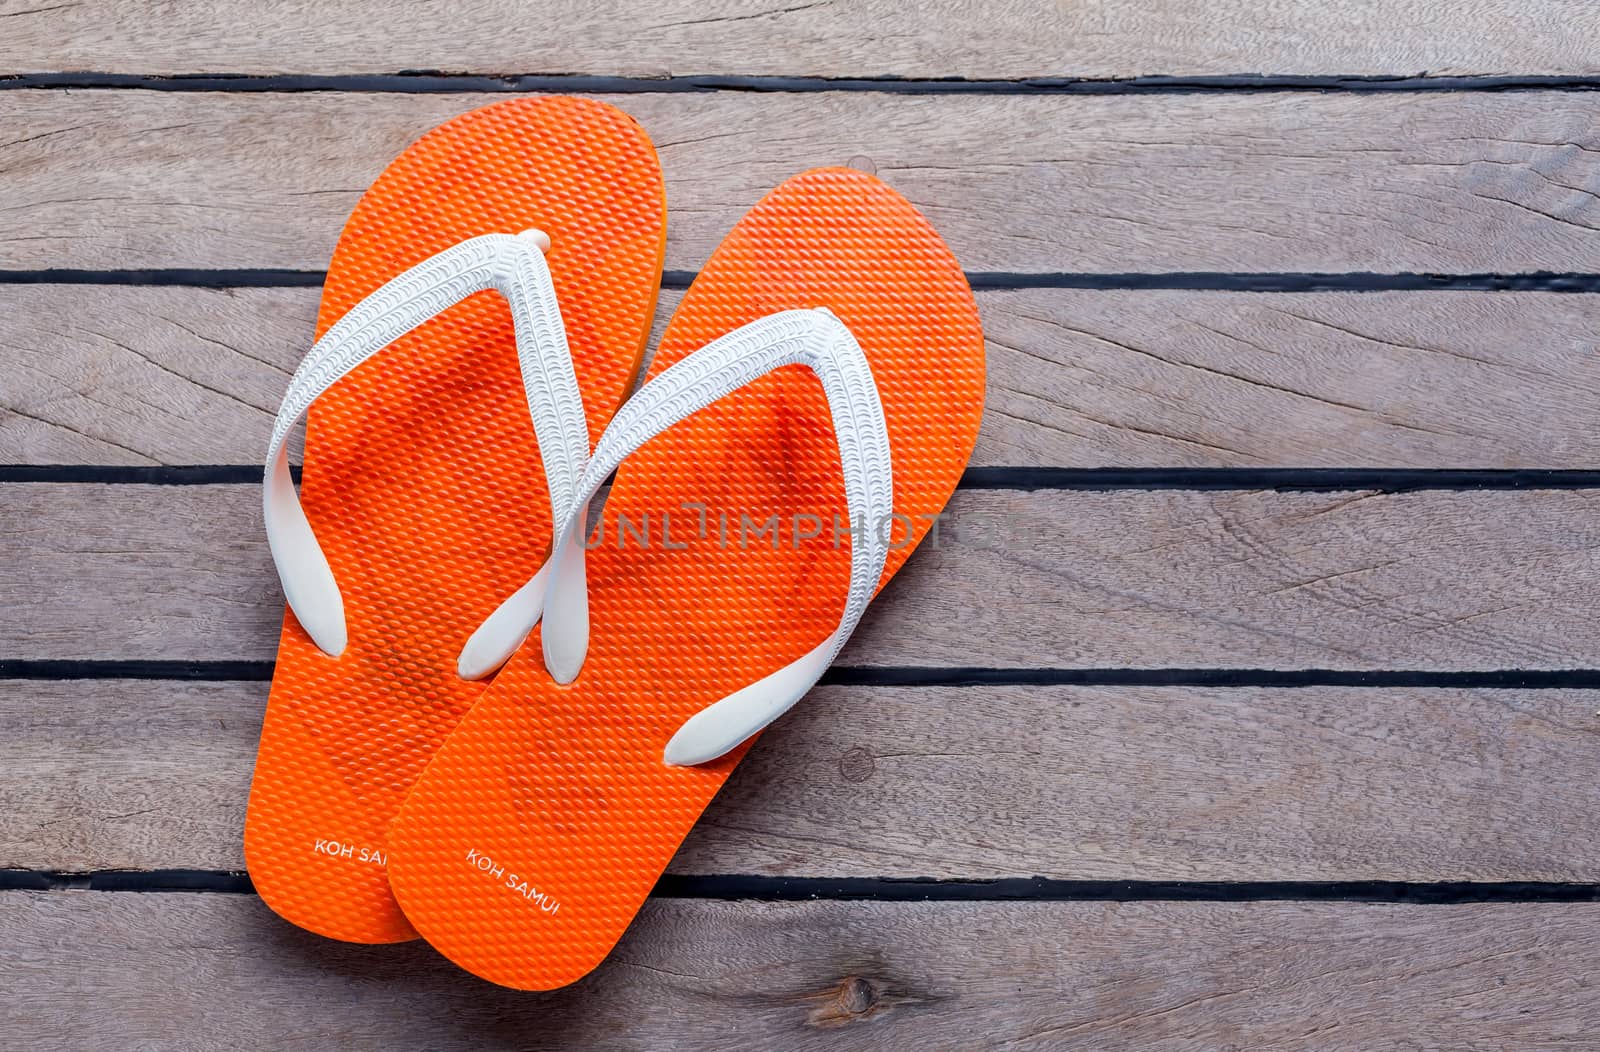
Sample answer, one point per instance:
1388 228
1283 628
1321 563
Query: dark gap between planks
987 280
1282 480
435 82
738 887
924 676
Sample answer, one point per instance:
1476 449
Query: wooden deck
1250 703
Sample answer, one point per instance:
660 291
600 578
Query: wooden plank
1243 182
1123 783
108 374
1012 39
219 970
1428 580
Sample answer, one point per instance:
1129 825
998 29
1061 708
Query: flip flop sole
423 479
541 826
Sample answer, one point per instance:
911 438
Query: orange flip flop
717 578
424 485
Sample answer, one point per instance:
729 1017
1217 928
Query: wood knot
855 999
857 995
856 765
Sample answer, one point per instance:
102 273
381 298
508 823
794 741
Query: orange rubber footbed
423 480
535 835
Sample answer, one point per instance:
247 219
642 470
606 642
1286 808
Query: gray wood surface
106 374
1237 182
969 38
1111 783
825 975
1427 580
957 782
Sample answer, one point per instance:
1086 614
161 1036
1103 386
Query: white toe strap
816 339
515 267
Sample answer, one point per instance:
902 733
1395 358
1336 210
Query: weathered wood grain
1110 783
210 971
1242 182
1429 580
1011 39
107 374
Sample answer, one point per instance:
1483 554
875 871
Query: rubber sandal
424 486
539 829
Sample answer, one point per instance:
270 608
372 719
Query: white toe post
515 267
821 342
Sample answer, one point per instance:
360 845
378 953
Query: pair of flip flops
805 417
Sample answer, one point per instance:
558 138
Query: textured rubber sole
530 842
423 479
